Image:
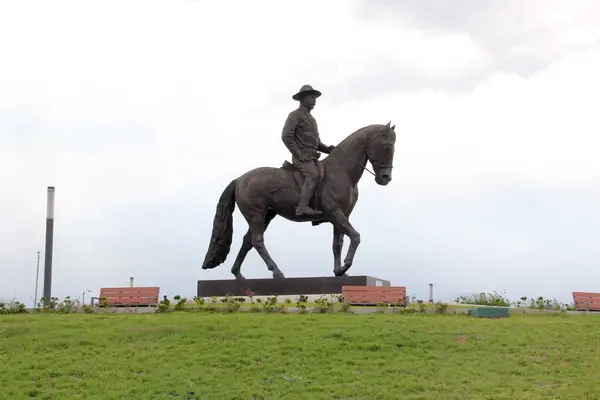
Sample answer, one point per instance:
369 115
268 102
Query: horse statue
265 192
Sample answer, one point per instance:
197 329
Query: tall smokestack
49 245
431 292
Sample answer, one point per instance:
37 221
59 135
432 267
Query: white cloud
140 113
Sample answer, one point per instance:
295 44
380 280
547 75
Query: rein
362 166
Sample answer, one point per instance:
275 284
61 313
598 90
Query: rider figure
301 136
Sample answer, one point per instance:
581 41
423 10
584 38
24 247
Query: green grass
311 356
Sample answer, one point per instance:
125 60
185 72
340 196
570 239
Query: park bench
128 296
586 301
373 295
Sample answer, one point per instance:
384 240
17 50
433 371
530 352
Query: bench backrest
374 294
130 296
586 301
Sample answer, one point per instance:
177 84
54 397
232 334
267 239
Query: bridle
390 166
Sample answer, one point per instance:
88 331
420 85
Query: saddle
299 180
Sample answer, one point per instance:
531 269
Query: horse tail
222 232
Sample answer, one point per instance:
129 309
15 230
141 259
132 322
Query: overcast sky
141 112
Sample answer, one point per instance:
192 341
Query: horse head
380 152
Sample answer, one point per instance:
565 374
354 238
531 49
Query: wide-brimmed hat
306 89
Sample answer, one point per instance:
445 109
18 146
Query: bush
181 303
441 308
12 307
301 304
164 305
323 304
268 305
490 299
540 303
231 304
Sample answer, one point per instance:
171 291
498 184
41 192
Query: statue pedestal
287 286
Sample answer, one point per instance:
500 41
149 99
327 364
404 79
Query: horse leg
257 229
246 247
340 221
338 243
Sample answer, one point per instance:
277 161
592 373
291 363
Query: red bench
129 296
372 295
586 301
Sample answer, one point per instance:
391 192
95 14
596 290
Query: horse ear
393 126
388 124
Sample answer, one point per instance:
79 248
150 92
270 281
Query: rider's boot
303 208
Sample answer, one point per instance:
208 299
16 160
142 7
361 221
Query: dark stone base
287 286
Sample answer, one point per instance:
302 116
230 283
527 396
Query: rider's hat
306 89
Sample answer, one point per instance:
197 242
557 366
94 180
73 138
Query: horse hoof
345 268
278 275
240 278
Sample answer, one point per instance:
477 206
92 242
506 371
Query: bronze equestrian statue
265 192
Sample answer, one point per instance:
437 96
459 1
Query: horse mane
361 133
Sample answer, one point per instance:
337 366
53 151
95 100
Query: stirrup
300 211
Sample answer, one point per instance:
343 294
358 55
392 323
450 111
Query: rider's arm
323 148
287 135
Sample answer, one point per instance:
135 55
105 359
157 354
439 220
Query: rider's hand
330 148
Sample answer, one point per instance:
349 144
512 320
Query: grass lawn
312 356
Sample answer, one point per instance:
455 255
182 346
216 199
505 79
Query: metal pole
49 245
37 277
83 297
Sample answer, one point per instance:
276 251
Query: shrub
301 304
164 305
12 307
441 308
181 303
231 304
490 299
323 305
269 304
540 303
199 301
302 299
